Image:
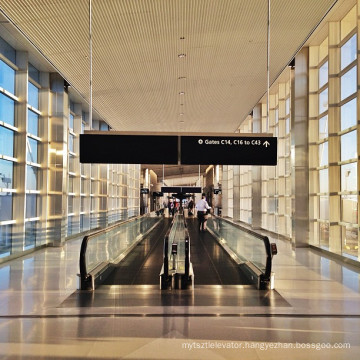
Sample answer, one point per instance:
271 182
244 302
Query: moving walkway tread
143 264
212 265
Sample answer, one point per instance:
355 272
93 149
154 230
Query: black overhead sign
181 189
228 150
113 148
128 149
157 194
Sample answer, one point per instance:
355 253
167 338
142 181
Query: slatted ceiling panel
135 55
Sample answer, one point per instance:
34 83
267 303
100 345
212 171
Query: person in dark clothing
190 207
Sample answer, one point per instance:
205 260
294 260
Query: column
256 176
236 193
299 149
44 101
334 139
57 217
19 206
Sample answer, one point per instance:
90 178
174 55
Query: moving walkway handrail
187 256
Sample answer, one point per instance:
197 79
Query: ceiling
137 72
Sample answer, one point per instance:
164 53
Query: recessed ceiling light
181 55
181 93
181 114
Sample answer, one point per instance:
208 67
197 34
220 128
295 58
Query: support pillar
299 150
59 121
256 177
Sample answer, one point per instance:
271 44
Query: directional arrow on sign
266 143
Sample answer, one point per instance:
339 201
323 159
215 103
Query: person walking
202 208
190 207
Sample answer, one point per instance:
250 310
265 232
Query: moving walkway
153 249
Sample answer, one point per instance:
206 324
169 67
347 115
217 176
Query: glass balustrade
246 245
111 244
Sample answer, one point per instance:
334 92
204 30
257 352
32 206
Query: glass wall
332 145
276 190
73 221
246 181
333 157
46 195
319 143
348 136
33 166
8 131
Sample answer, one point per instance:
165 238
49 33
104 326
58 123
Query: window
33 123
349 177
7 77
323 127
8 51
348 83
5 206
5 238
7 110
71 122
6 142
348 114
33 96
82 204
32 153
324 207
6 174
349 209
348 52
71 184
348 146
34 73
324 234
104 126
30 234
71 143
323 154
70 204
323 74
323 101
71 163
287 106
31 205
350 243
323 181
31 177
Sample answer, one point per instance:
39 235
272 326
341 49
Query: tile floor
318 316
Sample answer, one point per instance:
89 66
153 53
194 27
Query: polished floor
314 313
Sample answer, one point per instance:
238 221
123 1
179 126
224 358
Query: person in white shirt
202 206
